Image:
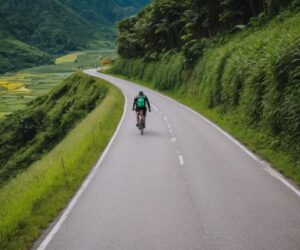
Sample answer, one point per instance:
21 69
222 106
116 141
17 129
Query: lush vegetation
27 135
35 197
108 12
40 80
60 25
55 26
14 55
190 26
248 81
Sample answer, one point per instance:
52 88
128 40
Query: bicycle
141 124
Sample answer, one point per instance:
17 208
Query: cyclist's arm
134 104
148 104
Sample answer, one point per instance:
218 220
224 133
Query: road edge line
264 164
86 182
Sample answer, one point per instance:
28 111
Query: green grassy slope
15 55
25 136
31 200
250 85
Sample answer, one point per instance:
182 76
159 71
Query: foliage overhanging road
183 185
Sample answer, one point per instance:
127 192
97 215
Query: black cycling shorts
144 109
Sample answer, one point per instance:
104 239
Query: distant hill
55 26
47 24
105 11
15 54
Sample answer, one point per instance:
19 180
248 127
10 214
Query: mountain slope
56 26
48 24
27 135
15 54
105 11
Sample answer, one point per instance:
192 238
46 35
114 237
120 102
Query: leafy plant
27 135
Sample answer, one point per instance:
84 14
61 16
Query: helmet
141 93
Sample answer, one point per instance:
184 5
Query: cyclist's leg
137 116
144 116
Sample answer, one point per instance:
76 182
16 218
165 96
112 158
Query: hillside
245 78
47 25
187 26
15 54
56 26
108 12
29 134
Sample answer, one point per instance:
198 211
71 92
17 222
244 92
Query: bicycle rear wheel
143 126
142 122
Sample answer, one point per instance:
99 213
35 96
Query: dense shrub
27 134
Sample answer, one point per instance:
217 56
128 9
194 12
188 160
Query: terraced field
17 89
68 58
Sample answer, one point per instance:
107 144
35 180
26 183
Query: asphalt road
184 185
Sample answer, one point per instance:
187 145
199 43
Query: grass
26 136
32 199
10 85
98 43
3 114
27 56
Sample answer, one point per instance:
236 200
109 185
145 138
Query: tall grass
25 136
250 84
32 199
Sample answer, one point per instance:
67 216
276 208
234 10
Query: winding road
184 185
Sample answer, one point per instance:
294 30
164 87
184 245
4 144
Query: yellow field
22 75
10 85
22 89
14 86
68 58
2 114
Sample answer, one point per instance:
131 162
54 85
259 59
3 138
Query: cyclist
139 103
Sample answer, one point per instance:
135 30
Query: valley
17 89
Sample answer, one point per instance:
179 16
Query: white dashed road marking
173 139
181 161
155 108
265 165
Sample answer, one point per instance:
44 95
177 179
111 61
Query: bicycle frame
141 121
